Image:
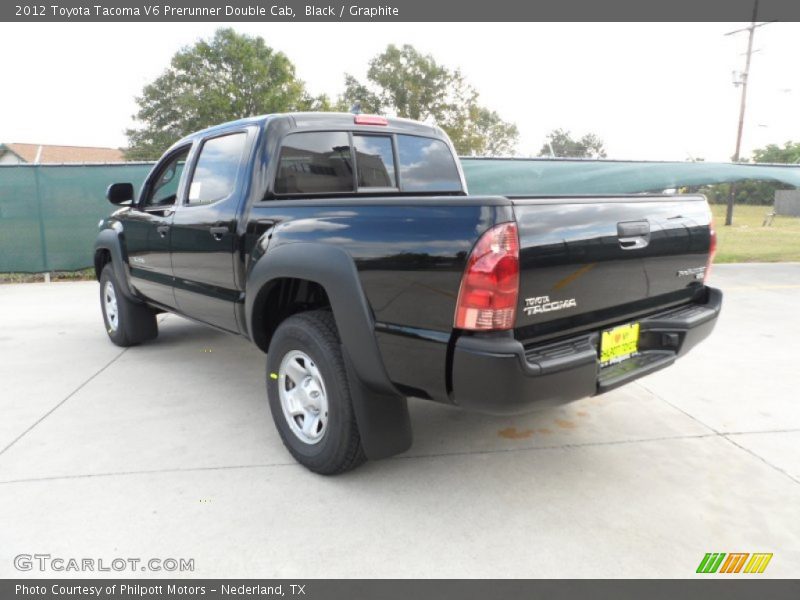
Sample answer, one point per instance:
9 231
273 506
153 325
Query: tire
127 323
307 385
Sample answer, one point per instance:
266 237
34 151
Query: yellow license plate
619 343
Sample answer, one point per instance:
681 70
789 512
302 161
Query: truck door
204 238
147 229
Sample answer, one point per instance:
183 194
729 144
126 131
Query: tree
789 153
745 192
563 145
358 96
227 77
756 192
406 83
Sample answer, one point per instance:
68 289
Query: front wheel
127 323
309 396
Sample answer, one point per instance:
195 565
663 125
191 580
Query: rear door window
315 163
375 161
426 165
215 175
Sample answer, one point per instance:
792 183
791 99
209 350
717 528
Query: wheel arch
381 411
334 271
277 300
108 248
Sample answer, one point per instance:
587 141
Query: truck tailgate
586 262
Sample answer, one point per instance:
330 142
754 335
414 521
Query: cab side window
217 169
164 190
426 165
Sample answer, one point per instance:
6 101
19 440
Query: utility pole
744 76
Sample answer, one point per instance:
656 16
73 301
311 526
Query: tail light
712 250
487 299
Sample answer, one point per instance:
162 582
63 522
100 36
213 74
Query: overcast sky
651 91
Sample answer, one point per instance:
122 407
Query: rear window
315 163
426 165
374 161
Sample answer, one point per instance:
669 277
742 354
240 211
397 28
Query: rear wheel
309 396
127 323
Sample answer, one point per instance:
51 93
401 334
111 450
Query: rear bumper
501 376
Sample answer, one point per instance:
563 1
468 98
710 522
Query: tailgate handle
633 234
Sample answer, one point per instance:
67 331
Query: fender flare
109 239
381 411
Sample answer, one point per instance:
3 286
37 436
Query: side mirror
119 193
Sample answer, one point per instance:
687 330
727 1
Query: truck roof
324 120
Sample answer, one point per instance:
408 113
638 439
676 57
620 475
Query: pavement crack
760 431
678 408
725 436
553 447
401 457
762 459
70 395
149 472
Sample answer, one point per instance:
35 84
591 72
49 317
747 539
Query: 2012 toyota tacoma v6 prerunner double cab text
347 248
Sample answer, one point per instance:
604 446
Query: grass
747 241
81 275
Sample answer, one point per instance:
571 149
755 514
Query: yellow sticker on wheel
619 343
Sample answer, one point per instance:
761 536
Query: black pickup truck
347 248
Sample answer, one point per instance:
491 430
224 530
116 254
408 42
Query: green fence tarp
521 177
49 213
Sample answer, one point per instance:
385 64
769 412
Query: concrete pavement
168 451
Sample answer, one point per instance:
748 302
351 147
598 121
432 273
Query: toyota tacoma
348 249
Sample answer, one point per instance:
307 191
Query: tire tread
321 325
137 322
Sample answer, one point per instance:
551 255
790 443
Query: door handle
162 230
218 232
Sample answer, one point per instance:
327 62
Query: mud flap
383 420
